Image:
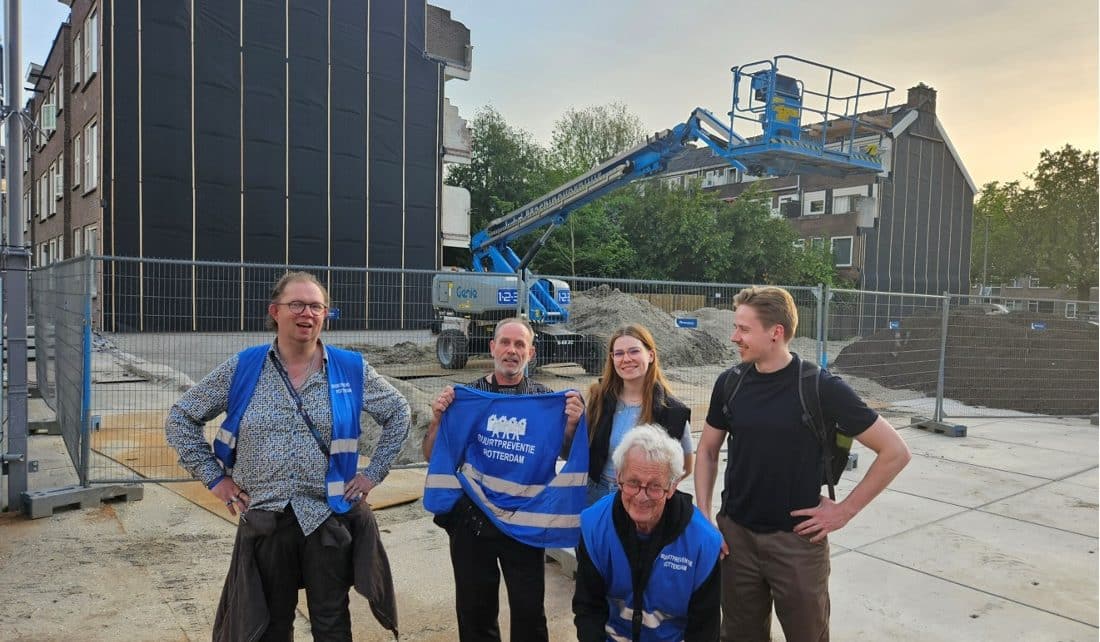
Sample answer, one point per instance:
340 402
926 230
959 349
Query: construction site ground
988 537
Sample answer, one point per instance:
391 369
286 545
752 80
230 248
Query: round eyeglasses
652 491
298 307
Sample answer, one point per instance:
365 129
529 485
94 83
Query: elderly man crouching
647 562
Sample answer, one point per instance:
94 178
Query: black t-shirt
774 462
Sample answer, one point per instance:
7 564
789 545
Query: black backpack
836 446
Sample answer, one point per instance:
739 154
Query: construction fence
119 339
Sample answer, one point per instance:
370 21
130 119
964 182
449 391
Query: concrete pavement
988 537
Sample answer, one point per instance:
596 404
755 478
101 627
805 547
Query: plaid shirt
278 460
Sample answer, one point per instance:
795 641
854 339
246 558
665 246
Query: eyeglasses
298 307
634 353
652 491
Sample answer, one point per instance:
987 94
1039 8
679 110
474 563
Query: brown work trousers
781 567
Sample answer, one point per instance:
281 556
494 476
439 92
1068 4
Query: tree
761 247
673 231
1063 206
586 137
588 242
507 168
1047 230
995 255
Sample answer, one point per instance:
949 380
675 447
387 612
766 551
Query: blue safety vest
501 451
679 570
345 381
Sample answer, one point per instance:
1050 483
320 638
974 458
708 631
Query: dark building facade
282 132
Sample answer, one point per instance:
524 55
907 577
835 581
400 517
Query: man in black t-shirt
480 552
773 518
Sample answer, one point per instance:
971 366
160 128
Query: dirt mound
1022 361
404 352
600 310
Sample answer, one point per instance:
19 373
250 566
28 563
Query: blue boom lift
839 141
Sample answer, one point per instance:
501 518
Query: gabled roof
911 117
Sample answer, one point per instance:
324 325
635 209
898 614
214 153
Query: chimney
922 97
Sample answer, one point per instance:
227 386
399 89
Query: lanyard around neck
298 401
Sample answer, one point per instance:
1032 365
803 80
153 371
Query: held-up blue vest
680 568
501 451
345 381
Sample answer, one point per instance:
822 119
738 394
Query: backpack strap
734 378
809 396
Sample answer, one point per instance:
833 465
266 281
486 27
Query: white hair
655 445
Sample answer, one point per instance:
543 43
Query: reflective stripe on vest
345 381
680 568
501 451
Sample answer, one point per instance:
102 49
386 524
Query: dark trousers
475 555
783 567
287 560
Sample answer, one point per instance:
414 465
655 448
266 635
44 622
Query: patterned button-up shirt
278 460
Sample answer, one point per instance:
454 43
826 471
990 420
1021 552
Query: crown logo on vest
506 427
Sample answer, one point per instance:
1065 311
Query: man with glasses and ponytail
648 560
286 459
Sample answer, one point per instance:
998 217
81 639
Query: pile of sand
400 353
600 310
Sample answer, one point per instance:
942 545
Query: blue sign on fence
1038 326
564 297
685 322
895 325
507 296
334 313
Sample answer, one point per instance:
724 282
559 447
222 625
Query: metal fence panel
891 339
692 324
1004 355
162 325
60 300
166 324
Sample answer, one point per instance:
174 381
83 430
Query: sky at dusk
1013 77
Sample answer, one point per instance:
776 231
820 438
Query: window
77 156
800 244
51 257
91 239
61 247
26 209
1033 306
816 243
59 179
1046 307
91 44
42 185
842 251
845 198
787 206
51 202
48 112
91 169
91 246
43 255
78 241
1071 310
814 204
78 59
1032 281
60 88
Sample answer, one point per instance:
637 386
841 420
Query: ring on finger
229 503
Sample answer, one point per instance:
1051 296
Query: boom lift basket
828 121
